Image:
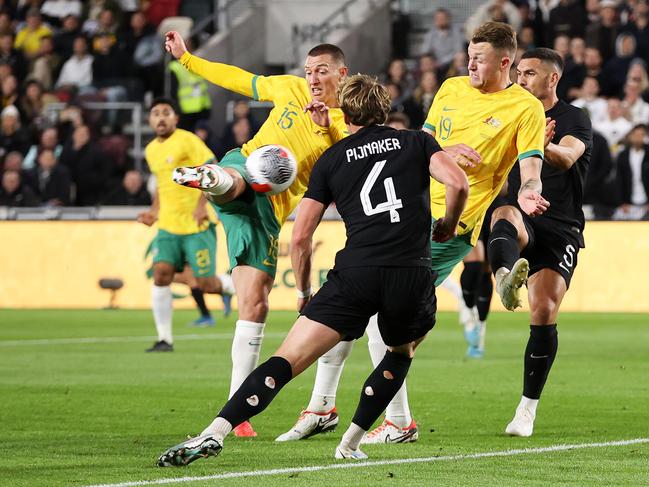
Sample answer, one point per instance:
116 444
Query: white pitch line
378 463
127 339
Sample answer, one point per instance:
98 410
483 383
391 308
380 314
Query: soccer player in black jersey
549 243
379 179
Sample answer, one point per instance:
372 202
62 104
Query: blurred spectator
638 72
398 73
11 56
595 106
399 121
633 172
639 29
45 65
616 68
12 136
69 119
51 180
574 70
191 93
29 37
497 10
422 98
561 44
106 29
49 140
525 38
568 18
142 43
55 11
32 104
204 131
64 39
109 71
9 91
132 191
14 193
92 13
593 65
13 162
614 127
427 63
602 34
459 66
89 167
236 134
443 39
158 10
76 74
5 23
636 110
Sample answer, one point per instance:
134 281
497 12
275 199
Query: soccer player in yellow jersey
305 121
486 123
185 235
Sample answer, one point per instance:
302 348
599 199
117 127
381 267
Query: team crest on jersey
170 160
494 122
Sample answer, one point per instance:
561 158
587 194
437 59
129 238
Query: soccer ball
271 169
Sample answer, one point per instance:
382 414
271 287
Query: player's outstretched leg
379 388
321 416
504 256
210 178
398 426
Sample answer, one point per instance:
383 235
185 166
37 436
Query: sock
503 245
483 296
380 387
257 391
197 294
227 284
482 328
330 366
162 306
219 428
398 410
470 279
352 437
452 287
246 345
528 403
225 181
539 356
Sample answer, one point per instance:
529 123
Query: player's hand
200 214
463 155
532 203
550 126
302 302
175 44
442 231
319 113
147 217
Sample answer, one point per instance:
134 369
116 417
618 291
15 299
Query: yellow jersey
502 127
177 203
286 125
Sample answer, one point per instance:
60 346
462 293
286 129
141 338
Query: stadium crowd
105 50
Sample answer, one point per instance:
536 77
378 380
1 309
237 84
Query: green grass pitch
77 412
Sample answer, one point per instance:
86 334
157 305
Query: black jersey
563 189
379 180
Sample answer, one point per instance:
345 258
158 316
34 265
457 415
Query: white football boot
522 424
345 453
309 424
190 450
388 432
209 178
509 283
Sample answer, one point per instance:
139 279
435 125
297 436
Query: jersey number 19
391 205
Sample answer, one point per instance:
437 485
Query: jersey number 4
391 205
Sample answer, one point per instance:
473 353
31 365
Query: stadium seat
182 25
113 285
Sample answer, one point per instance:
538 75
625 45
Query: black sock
539 355
469 282
257 391
380 387
483 296
502 248
197 294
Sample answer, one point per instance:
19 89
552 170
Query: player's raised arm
446 171
308 217
529 194
564 154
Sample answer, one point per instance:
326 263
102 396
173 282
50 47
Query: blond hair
364 100
500 35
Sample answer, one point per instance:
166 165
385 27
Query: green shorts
196 249
250 224
445 256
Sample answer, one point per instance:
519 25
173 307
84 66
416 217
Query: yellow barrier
58 265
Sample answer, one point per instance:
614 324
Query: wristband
303 294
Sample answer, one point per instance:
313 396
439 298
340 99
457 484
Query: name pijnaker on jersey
372 148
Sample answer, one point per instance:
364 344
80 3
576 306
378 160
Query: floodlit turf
101 411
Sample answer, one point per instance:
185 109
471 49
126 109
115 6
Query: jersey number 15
391 205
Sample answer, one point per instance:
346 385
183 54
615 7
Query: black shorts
552 245
404 298
485 231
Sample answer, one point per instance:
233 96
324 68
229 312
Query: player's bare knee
544 309
407 349
509 213
254 310
162 276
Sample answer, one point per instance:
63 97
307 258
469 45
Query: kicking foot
191 450
210 178
309 424
388 432
522 424
508 284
